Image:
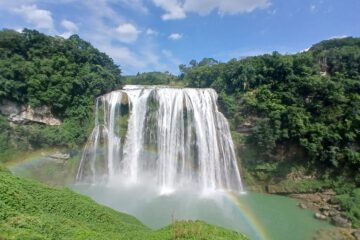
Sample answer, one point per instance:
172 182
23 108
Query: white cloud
305 50
151 32
69 26
101 25
127 32
223 7
173 9
40 18
313 8
136 5
100 10
176 9
123 55
175 36
338 37
66 34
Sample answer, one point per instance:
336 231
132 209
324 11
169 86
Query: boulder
302 205
339 221
59 157
325 208
356 234
326 213
333 213
320 216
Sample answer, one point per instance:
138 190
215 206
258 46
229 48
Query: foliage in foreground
351 203
30 210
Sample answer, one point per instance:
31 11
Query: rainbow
257 227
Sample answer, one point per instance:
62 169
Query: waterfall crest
172 137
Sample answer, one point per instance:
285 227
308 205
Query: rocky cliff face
20 114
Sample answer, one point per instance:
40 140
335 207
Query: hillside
59 77
31 210
151 78
309 101
295 118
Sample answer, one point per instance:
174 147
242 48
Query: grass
351 203
31 210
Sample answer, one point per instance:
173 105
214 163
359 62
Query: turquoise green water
259 216
281 217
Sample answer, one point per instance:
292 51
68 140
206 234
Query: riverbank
326 204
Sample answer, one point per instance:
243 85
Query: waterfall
170 137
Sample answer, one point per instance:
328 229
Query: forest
64 74
311 99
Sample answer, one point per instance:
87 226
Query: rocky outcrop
339 221
59 157
319 198
325 207
320 216
20 114
356 234
302 205
246 127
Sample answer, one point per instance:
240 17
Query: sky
159 35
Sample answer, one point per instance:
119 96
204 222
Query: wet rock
320 216
333 200
20 114
326 213
339 221
325 208
329 192
356 234
302 205
60 157
309 197
125 99
333 213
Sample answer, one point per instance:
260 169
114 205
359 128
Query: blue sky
158 35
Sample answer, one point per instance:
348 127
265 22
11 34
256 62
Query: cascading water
171 137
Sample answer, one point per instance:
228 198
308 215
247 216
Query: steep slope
62 76
30 210
303 106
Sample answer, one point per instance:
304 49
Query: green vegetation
310 100
296 118
52 172
351 202
64 74
152 78
30 210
